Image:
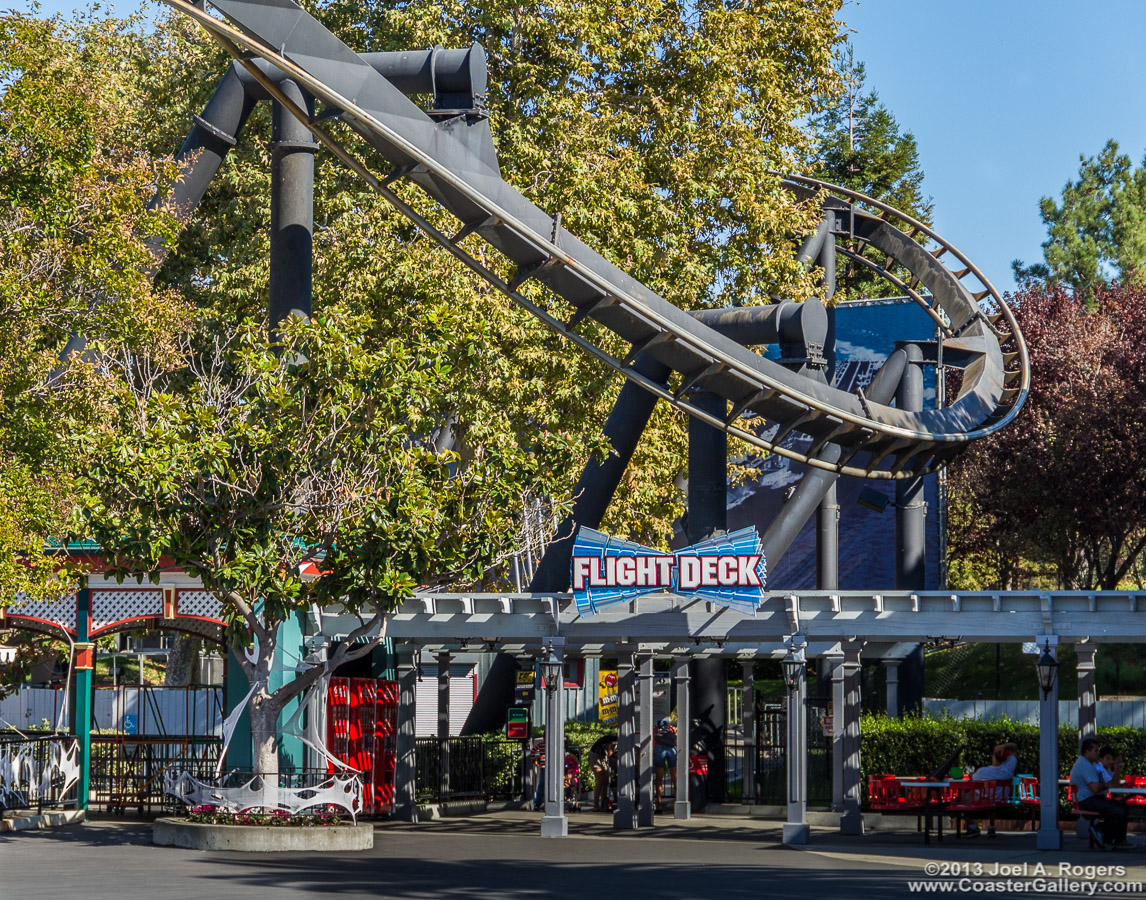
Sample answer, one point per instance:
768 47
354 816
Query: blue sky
1002 96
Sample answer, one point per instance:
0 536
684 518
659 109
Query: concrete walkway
501 856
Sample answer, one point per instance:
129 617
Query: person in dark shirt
600 754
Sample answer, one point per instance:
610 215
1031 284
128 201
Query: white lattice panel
113 606
199 603
62 611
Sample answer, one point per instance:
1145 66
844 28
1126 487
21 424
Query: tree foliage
860 145
1097 232
1060 495
74 251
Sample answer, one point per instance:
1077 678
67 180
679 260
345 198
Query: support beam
851 822
836 661
682 809
796 755
891 666
828 518
646 809
292 211
405 768
554 823
625 815
1087 694
444 660
1049 834
748 727
910 509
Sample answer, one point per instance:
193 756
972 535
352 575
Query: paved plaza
501 856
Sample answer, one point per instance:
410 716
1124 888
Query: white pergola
836 625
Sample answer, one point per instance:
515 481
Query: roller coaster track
455 164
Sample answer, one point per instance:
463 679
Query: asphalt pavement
502 856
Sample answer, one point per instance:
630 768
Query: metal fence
39 772
479 768
127 772
770 764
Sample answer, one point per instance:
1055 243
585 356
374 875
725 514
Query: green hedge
914 746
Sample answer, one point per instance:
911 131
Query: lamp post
554 823
795 679
1049 835
1048 670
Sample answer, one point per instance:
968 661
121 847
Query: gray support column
554 823
748 728
828 518
836 661
891 666
405 769
292 211
851 822
796 755
1049 834
625 815
683 808
910 510
1087 695
646 809
443 726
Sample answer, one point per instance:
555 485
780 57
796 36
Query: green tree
1097 232
862 146
242 462
652 129
74 237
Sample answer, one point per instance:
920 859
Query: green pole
83 661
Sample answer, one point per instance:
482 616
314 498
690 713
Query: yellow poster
607 696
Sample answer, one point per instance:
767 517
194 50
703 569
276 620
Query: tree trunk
181 662
264 735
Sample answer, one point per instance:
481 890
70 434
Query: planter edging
171 832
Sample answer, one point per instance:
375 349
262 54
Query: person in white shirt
1004 764
1090 794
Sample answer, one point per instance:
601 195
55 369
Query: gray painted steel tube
816 482
707 515
292 213
828 519
910 537
788 321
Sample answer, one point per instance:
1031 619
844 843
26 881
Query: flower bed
277 818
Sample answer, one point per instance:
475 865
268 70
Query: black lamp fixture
793 666
552 669
1048 670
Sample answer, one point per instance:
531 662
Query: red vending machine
361 731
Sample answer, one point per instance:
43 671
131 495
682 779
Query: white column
444 660
748 728
796 757
646 810
851 822
554 823
625 815
1049 834
892 668
683 808
1087 694
836 661
405 769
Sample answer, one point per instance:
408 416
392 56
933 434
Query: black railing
127 772
479 768
770 767
39 772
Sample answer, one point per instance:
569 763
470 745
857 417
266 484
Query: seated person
1004 764
1090 794
1109 766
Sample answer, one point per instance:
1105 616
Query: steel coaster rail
906 443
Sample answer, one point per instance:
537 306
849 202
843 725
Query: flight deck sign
729 570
